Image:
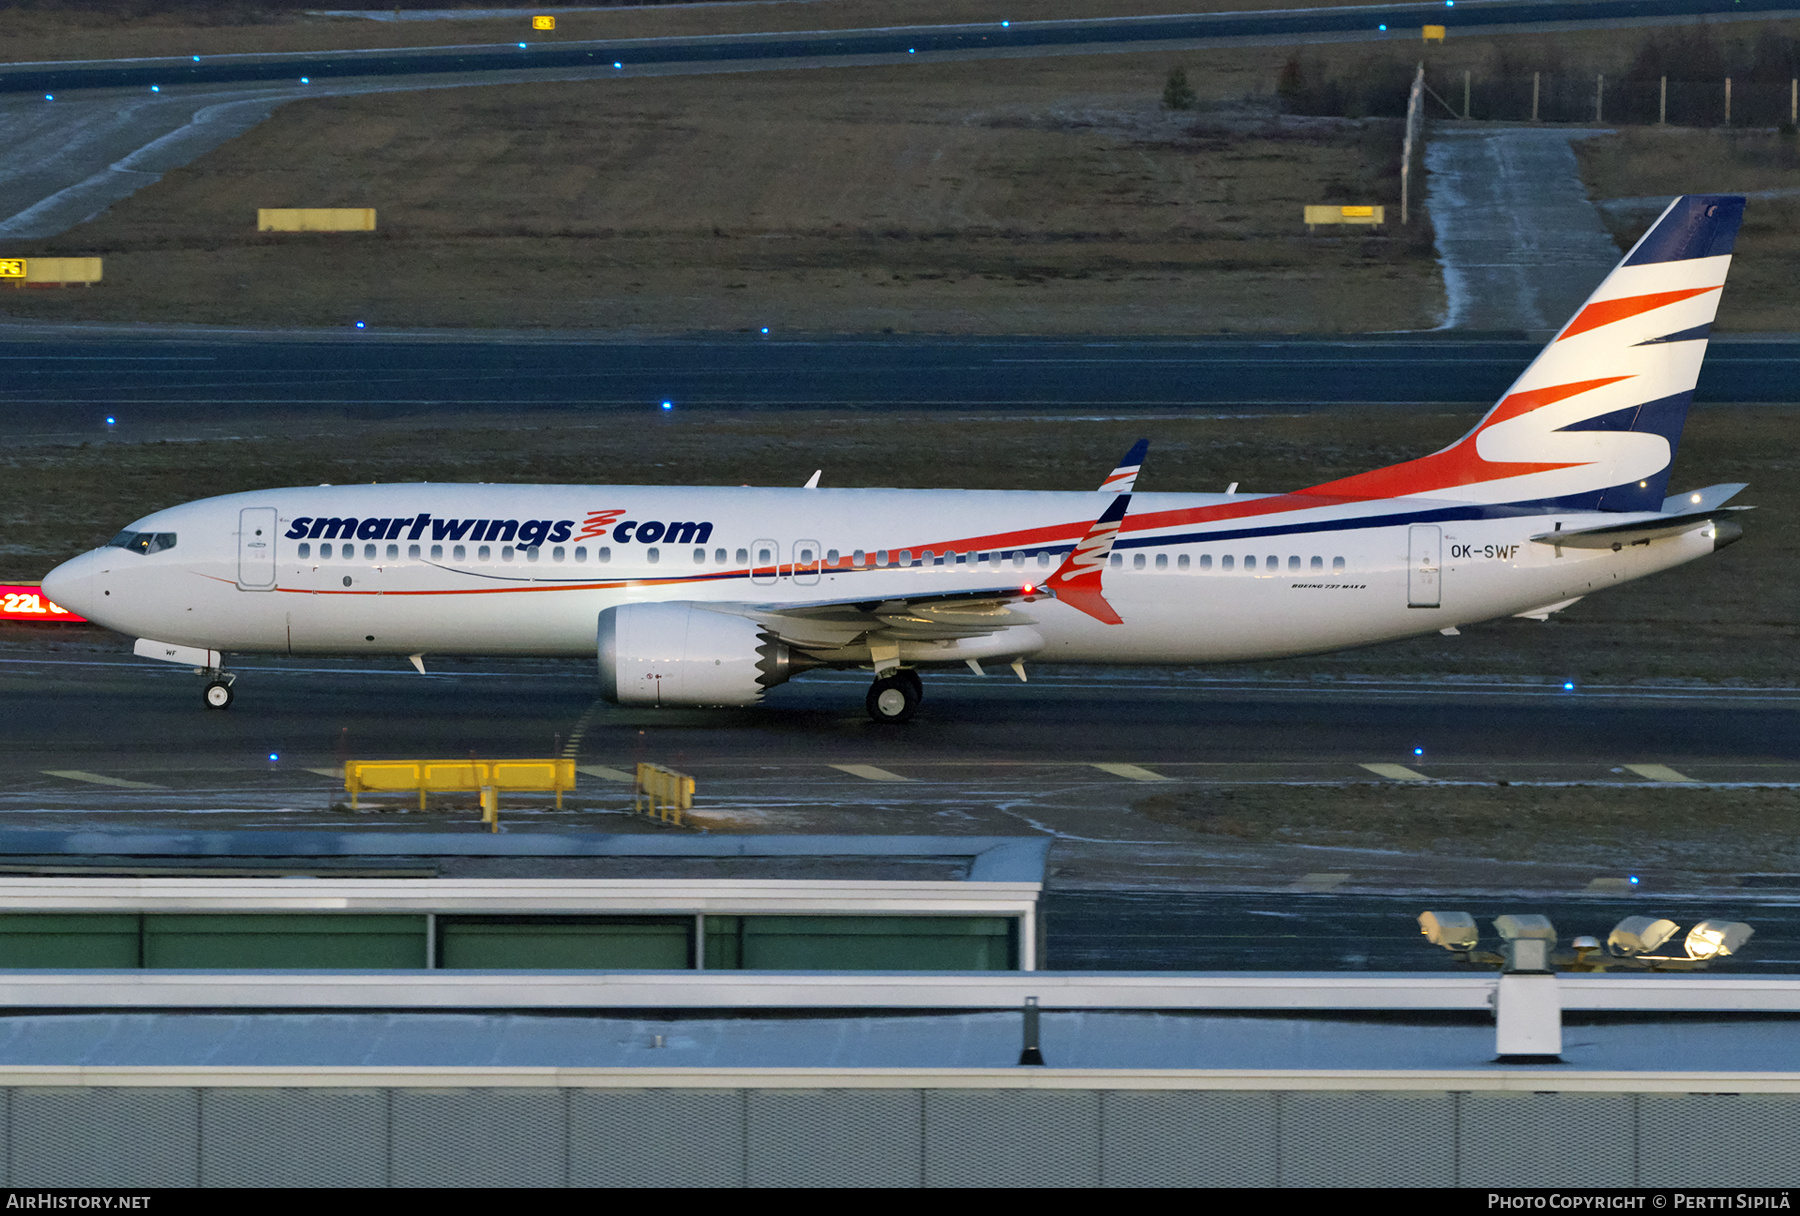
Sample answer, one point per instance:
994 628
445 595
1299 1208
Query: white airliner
711 596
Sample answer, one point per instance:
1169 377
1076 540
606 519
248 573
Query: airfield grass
1733 617
1013 196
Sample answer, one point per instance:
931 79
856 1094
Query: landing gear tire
217 694
912 677
895 698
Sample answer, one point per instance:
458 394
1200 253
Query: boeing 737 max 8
711 596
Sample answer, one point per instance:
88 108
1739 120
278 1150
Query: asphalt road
59 383
1401 20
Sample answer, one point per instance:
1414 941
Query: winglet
1121 479
1077 581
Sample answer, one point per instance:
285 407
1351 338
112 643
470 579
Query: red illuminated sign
27 602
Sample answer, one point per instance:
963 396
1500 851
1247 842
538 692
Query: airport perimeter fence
1607 101
1588 98
184 1136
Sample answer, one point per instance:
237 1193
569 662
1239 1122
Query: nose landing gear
895 697
217 694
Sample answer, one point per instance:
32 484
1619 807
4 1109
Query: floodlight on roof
1717 938
1527 926
1451 930
1637 935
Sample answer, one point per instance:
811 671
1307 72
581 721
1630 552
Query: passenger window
1118 561
325 550
581 553
653 555
1249 562
393 553
484 553
743 557
1043 557
556 554
531 554
1225 562
605 554
506 553
1137 561
1181 563
1272 563
1206 561
437 553
1318 563
1337 563
928 558
699 557
368 553
1162 561
859 559
460 553
905 557
719 557
881 557
1293 563
765 557
412 552
805 558
1018 559
305 549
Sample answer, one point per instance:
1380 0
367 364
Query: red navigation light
27 602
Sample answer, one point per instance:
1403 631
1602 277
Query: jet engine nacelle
683 654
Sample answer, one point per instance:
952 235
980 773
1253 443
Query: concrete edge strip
1513 1079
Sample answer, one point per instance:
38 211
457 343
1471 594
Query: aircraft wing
916 618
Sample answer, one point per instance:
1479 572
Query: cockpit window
142 542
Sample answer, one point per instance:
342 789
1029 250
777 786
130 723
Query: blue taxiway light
1382 28
765 329
618 65
361 325
1418 751
1005 24
668 405
111 421
910 51
156 88
1568 686
49 96
1633 880
306 80
196 59
273 757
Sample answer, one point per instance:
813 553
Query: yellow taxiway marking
604 773
1656 772
869 772
75 774
1131 772
1395 772
1320 882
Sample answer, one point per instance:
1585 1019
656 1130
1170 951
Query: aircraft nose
70 584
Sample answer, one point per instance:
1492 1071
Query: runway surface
988 39
60 382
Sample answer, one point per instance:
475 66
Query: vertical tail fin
1594 422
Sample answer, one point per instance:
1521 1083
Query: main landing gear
217 694
895 697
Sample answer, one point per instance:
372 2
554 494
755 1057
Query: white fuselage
1194 577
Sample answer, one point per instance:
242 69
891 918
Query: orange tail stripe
1605 312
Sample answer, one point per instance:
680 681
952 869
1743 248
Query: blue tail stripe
1697 226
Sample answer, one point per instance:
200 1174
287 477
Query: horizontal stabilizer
1643 531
